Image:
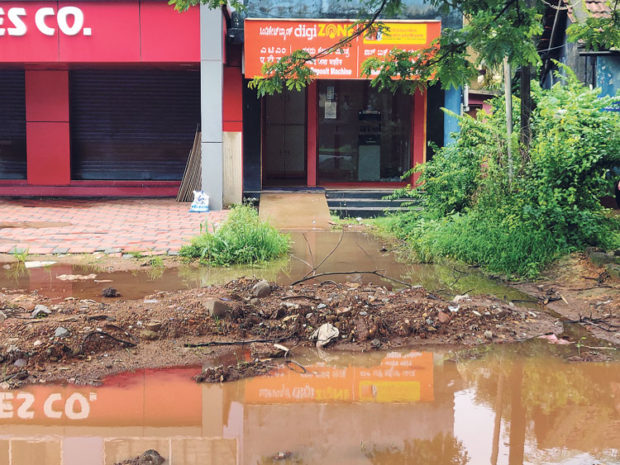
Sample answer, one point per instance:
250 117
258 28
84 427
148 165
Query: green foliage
598 33
551 207
242 238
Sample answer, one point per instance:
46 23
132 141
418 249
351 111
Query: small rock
61 332
151 457
40 311
375 343
254 301
2 316
218 309
37 343
325 334
148 335
476 313
363 313
154 325
321 306
454 308
261 289
110 292
20 363
488 335
458 298
601 258
443 317
151 301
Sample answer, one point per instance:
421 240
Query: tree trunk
526 111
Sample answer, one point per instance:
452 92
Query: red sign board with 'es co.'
97 32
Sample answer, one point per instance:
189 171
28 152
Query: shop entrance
284 140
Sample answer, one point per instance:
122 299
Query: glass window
364 134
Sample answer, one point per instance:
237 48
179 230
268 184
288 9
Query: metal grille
12 125
132 124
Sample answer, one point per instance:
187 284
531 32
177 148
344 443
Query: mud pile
78 340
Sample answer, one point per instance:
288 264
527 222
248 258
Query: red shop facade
96 98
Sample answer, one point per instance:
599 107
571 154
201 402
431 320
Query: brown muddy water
504 406
353 251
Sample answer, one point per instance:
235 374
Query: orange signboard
398 378
125 400
269 40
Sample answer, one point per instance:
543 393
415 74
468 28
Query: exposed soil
581 292
81 341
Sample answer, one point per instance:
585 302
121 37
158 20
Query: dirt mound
82 339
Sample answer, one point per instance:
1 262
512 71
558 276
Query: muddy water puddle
333 251
397 408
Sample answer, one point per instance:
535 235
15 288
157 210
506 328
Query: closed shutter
132 124
12 125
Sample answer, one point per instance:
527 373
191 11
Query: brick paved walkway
158 226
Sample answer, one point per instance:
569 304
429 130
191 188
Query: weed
243 238
136 254
477 212
21 255
157 262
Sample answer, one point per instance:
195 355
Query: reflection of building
334 410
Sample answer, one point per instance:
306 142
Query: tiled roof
596 8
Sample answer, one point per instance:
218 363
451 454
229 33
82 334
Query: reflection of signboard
269 40
398 378
125 400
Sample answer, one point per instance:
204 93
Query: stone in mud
148 335
443 317
488 335
375 343
110 292
151 457
218 309
261 289
61 332
325 334
613 270
40 311
154 325
601 258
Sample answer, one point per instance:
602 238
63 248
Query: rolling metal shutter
12 125
132 124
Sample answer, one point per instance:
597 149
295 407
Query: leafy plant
473 210
21 255
243 238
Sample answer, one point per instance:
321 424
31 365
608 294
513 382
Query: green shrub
474 212
243 238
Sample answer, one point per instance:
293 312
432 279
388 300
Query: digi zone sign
269 40
69 20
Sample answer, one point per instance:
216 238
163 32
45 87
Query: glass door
364 135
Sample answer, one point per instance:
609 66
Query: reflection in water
379 408
356 252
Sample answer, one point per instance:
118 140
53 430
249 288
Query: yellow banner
399 34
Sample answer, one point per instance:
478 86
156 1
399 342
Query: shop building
104 98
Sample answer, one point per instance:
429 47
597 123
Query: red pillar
312 134
419 130
47 128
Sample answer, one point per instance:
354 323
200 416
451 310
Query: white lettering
47 406
70 407
78 20
39 20
6 406
19 27
24 411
